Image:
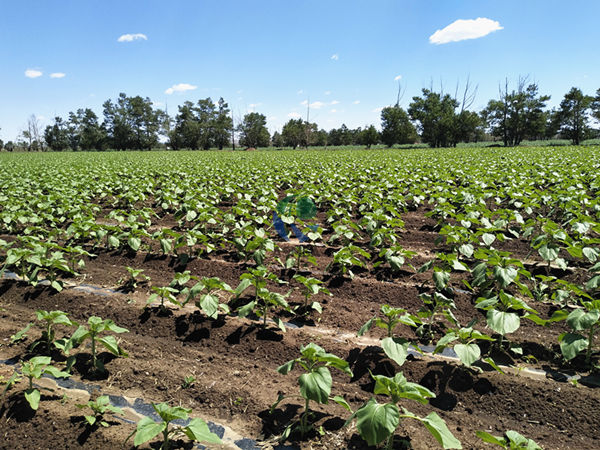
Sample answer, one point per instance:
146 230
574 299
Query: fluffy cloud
57 75
333 110
294 115
314 105
334 102
356 102
377 110
335 57
132 37
398 78
461 30
33 73
181 87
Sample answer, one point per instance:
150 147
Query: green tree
595 106
369 136
84 131
132 123
436 116
277 140
518 114
223 124
57 135
253 131
293 133
572 115
320 138
396 127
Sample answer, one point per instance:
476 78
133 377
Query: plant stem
165 445
304 419
390 442
93 336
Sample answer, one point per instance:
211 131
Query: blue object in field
280 227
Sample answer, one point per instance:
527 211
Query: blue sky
274 56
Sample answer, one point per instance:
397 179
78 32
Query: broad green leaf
210 305
146 430
376 422
197 430
33 398
366 327
111 344
134 243
505 275
487 437
571 344
169 413
287 367
503 322
342 402
488 238
316 385
580 320
549 251
468 353
246 309
438 428
395 349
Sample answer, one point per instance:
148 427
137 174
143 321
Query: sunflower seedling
34 369
99 407
377 422
96 326
511 441
311 286
196 430
315 383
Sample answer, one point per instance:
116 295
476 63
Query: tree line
436 118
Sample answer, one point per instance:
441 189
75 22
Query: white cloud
181 87
58 75
294 115
356 102
33 73
333 110
327 92
334 102
314 105
376 110
461 30
335 57
132 37
398 78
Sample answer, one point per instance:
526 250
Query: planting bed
234 360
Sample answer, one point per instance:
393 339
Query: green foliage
99 407
377 422
34 369
253 130
196 430
94 328
315 383
511 441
